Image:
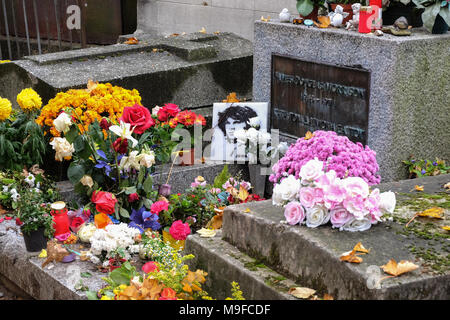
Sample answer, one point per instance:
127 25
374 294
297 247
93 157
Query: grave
388 92
191 70
256 248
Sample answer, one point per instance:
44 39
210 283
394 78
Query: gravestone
391 93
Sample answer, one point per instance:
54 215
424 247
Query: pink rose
311 170
159 206
335 194
133 197
179 230
356 186
150 267
356 206
294 213
307 197
340 216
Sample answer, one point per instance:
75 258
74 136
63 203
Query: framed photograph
229 117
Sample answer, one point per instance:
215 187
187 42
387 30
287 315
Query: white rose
147 159
289 188
254 122
357 225
317 216
277 200
130 162
155 110
387 202
62 147
87 181
283 147
264 137
252 135
241 136
63 122
311 170
86 231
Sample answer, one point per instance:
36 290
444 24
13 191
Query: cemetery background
213 58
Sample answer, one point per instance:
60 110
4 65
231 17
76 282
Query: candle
365 19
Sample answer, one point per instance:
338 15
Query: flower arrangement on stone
22 141
319 196
346 158
255 143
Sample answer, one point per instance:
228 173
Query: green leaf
124 213
148 184
72 134
147 203
75 172
86 275
130 190
222 177
305 7
91 295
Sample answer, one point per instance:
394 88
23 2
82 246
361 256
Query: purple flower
141 220
435 163
423 171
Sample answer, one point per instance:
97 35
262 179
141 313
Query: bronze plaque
309 96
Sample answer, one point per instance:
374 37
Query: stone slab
311 256
409 87
225 263
192 71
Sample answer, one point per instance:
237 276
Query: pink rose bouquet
317 197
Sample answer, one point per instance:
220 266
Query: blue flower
141 219
434 163
103 165
423 171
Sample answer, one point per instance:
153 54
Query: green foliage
34 213
236 293
305 7
420 168
122 275
222 177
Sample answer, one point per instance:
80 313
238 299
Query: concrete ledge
225 263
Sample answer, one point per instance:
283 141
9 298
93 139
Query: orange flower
200 120
101 220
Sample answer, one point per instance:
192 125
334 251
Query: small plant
420 168
34 213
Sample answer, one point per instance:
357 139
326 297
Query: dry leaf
351 256
301 292
418 188
247 210
231 98
203 30
309 135
217 32
435 212
447 228
132 40
91 85
324 21
206 233
395 269
265 19
216 222
327 297
360 248
447 185
243 193
174 35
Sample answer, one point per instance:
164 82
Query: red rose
179 230
76 224
8 218
18 222
120 146
139 117
133 197
104 201
169 110
104 124
168 294
150 267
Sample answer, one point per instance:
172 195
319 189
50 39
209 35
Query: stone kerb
409 87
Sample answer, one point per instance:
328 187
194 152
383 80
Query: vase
257 179
35 240
440 26
347 8
176 244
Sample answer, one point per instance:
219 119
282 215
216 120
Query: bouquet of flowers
340 154
319 196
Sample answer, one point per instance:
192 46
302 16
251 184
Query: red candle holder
60 218
365 19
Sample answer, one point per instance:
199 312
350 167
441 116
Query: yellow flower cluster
103 100
29 100
5 109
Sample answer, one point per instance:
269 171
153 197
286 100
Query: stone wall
177 16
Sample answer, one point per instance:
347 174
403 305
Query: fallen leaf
132 40
216 222
326 296
91 85
434 212
231 98
395 269
206 233
174 35
324 22
243 193
217 32
247 210
360 248
265 19
351 256
301 292
418 188
309 135
203 30
447 228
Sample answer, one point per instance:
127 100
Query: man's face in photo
231 126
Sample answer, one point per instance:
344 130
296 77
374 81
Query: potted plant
36 221
309 9
346 5
436 15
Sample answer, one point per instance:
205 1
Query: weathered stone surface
409 86
225 264
192 71
311 256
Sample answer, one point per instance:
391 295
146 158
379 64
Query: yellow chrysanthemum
104 100
4 61
29 100
5 109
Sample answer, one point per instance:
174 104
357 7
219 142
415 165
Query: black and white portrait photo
229 118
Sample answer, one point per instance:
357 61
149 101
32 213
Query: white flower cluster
113 237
